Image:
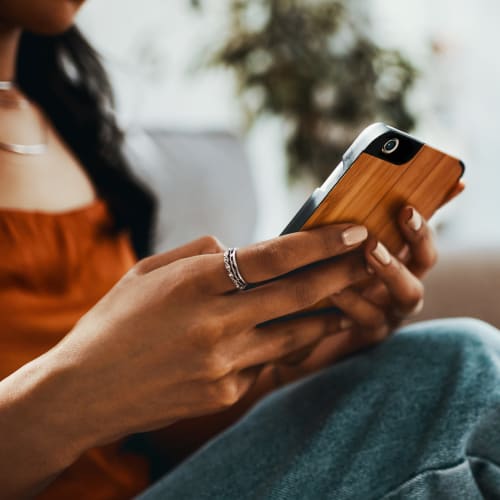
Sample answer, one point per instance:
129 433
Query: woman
85 364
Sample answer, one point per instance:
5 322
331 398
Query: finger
297 357
276 341
201 246
332 348
404 287
420 240
273 258
299 290
229 389
377 294
245 379
359 309
404 254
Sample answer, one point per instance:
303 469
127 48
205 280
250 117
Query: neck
9 43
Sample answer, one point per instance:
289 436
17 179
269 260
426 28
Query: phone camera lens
390 146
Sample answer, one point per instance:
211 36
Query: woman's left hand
372 313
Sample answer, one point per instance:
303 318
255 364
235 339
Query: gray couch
204 185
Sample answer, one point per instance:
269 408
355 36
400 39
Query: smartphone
382 171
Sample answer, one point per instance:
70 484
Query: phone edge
360 144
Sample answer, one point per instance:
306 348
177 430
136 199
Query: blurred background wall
154 50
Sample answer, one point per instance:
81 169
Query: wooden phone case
373 191
369 187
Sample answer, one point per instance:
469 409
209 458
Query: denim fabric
417 417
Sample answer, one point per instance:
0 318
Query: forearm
42 430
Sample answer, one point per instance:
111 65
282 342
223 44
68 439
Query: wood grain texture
373 191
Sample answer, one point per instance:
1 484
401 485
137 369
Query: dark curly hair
64 75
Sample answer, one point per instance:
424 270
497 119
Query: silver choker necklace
23 149
6 85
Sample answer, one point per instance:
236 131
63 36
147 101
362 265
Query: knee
464 333
454 341
472 332
468 326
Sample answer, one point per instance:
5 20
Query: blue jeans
417 417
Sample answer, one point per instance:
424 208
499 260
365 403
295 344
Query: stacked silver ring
232 269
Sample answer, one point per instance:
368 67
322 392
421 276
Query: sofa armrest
465 283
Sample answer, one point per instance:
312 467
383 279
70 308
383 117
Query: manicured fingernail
408 314
404 253
346 323
353 235
415 220
382 254
418 308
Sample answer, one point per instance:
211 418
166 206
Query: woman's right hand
173 339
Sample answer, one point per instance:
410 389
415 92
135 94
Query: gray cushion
202 182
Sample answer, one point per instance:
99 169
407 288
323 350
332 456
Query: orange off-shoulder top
54 268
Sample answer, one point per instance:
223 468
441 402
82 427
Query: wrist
40 409
43 425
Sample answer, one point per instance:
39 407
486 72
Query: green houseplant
311 63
